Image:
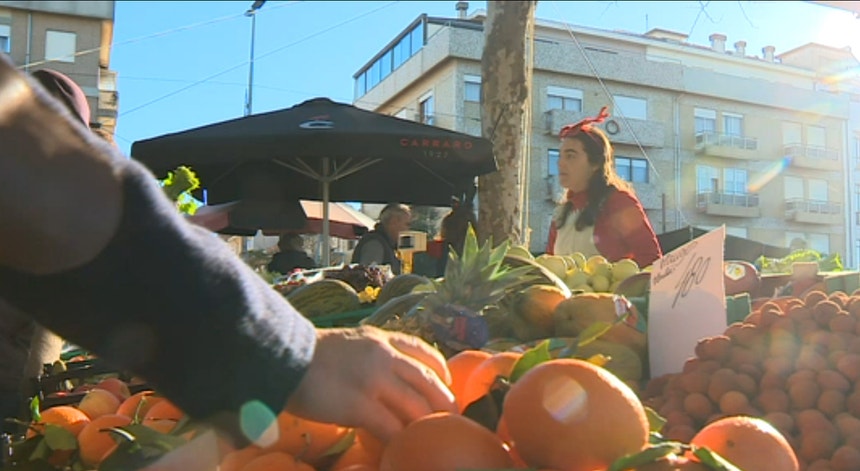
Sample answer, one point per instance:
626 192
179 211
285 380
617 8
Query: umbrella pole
326 252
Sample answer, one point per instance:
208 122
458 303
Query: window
816 137
560 98
792 187
473 88
705 120
417 39
5 41
630 107
707 179
736 231
631 169
857 147
60 46
552 162
373 75
817 189
425 110
733 124
791 235
735 181
819 242
792 134
385 64
405 50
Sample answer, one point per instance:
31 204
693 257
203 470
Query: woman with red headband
600 215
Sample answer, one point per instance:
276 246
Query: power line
155 35
244 63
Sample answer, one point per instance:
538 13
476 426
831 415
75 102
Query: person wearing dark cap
101 256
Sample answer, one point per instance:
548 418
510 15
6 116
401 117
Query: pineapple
452 317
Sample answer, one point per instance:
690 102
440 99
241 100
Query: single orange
749 443
94 443
573 415
276 461
144 399
355 455
461 367
236 460
485 374
68 417
98 402
305 439
163 416
444 442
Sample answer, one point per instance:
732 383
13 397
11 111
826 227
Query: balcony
744 205
727 146
816 157
646 133
813 211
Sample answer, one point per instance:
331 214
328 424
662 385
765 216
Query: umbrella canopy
247 217
323 150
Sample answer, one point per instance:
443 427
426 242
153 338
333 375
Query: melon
400 285
323 297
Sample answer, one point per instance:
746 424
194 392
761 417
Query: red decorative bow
584 125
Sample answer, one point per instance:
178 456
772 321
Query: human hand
372 378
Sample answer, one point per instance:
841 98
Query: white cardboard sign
687 301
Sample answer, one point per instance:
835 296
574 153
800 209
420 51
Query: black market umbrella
736 248
327 151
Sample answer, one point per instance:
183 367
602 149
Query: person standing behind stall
600 214
379 246
291 255
453 230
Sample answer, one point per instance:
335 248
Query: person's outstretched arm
93 250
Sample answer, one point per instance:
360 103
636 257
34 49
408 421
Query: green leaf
342 445
488 409
655 420
592 333
148 437
35 415
59 438
649 455
531 358
42 450
138 446
713 461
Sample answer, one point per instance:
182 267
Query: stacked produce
794 362
589 274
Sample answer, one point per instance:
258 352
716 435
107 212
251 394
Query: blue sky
185 64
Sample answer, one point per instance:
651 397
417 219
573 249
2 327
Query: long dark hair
599 153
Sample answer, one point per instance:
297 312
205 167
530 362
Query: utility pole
252 12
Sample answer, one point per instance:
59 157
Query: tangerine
98 402
444 442
236 460
94 443
749 443
305 439
574 416
461 367
138 404
67 417
277 460
485 374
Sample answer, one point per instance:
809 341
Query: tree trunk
505 86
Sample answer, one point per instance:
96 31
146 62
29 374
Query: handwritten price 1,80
693 276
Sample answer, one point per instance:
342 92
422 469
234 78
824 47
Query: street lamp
252 12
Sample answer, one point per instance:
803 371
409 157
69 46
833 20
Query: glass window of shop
5 35
819 243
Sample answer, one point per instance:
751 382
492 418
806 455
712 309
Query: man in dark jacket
379 246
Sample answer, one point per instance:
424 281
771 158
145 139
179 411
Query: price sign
687 301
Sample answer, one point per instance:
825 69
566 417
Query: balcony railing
813 206
811 152
744 200
705 139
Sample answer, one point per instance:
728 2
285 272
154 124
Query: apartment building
707 134
72 37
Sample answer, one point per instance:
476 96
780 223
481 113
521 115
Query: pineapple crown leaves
479 278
